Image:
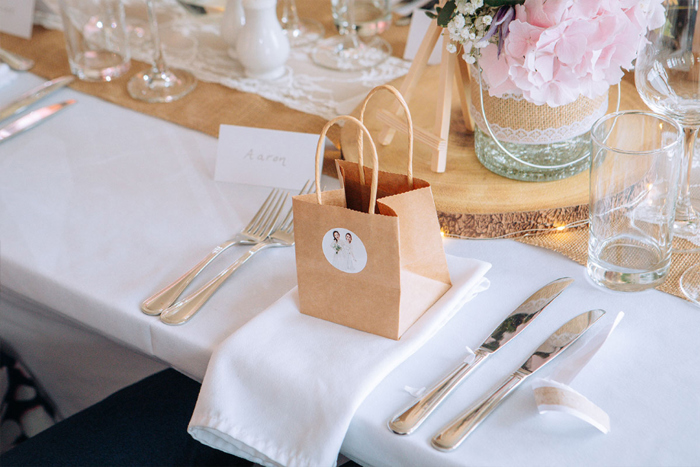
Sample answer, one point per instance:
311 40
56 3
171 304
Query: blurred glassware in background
299 31
96 38
159 83
348 51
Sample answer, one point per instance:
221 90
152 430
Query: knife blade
33 95
457 430
406 421
32 119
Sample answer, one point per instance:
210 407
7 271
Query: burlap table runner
211 105
574 245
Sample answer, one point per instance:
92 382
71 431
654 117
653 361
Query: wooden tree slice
472 201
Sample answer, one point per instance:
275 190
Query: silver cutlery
33 95
16 62
282 236
456 431
31 120
406 421
255 232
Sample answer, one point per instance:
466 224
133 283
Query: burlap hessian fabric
519 114
574 245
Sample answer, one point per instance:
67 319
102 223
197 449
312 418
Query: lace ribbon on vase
194 43
544 135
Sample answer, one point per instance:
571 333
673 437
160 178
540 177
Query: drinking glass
159 83
96 38
635 168
299 31
348 51
667 77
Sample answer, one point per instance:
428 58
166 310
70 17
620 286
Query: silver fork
255 232
182 311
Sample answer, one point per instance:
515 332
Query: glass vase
534 143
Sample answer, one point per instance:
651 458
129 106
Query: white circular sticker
344 250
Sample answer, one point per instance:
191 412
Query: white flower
458 22
486 20
451 48
469 59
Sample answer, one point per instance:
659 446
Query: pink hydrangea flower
558 50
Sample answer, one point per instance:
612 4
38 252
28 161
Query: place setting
399 314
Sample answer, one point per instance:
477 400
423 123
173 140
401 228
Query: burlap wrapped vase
541 143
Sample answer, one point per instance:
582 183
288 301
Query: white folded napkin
283 389
6 74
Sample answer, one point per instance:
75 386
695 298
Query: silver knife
31 119
456 431
33 95
406 421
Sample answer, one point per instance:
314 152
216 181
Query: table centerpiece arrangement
541 74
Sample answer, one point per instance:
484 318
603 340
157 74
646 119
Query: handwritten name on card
17 17
272 158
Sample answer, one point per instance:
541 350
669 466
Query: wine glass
159 83
299 31
347 51
667 77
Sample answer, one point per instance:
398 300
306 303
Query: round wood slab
472 201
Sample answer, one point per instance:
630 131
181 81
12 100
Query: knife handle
405 422
456 431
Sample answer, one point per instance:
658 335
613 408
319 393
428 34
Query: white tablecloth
100 206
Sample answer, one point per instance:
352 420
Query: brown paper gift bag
374 269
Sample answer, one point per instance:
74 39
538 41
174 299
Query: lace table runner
194 43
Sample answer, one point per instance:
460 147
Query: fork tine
265 213
306 189
272 221
260 212
262 227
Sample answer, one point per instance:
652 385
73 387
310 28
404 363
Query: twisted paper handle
319 159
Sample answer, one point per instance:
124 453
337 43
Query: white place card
17 17
273 158
416 32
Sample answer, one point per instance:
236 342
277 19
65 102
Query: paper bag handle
409 121
319 160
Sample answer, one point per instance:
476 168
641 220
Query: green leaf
445 13
430 14
496 3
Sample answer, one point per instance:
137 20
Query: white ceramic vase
262 47
231 24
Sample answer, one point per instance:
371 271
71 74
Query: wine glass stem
290 16
158 60
352 26
685 212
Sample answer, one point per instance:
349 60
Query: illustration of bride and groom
342 252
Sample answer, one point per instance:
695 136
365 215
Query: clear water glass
635 168
96 38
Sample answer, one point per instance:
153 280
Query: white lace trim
539 136
193 43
